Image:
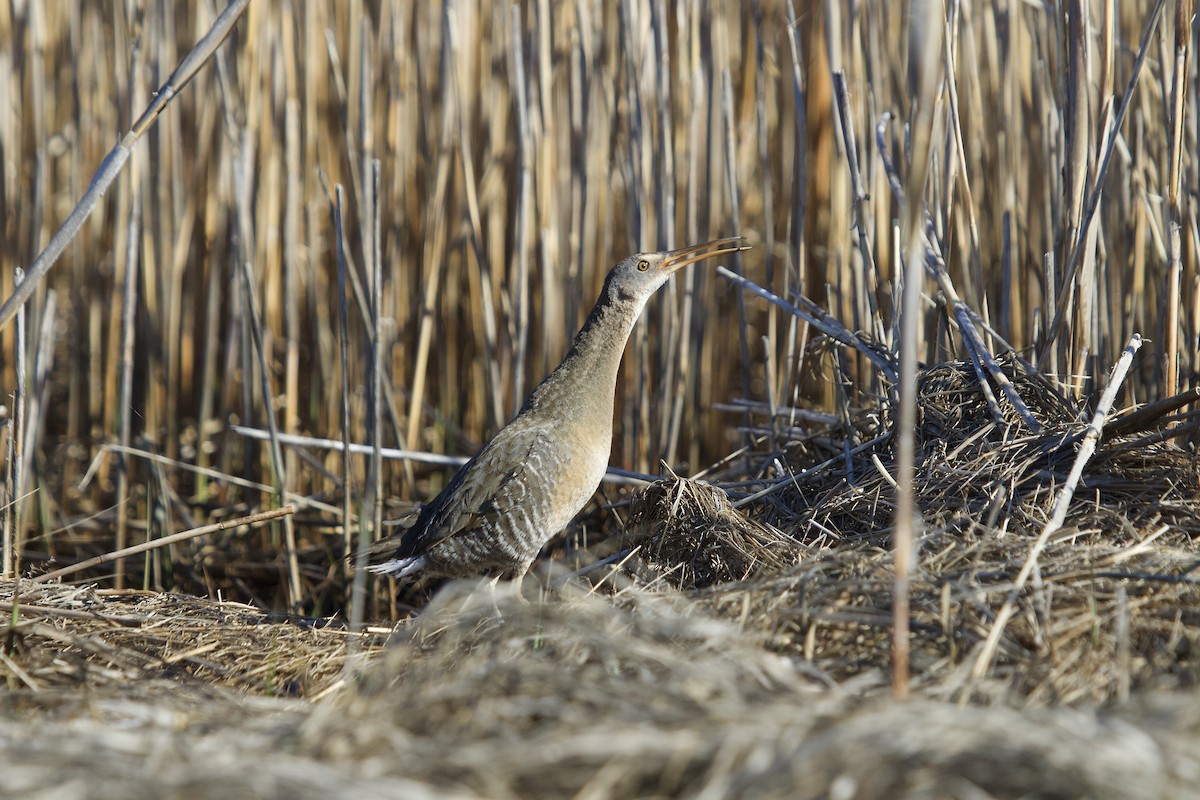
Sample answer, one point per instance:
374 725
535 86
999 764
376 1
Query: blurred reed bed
521 149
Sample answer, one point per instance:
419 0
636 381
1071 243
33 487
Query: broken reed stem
861 197
981 358
819 319
118 555
111 166
1087 447
345 446
205 472
614 474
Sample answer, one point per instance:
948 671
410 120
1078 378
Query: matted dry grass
78 637
635 695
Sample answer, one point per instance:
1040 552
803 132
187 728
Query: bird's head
641 274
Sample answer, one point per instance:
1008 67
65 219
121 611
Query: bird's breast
565 472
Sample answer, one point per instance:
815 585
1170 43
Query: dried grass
690 533
69 638
1111 605
642 695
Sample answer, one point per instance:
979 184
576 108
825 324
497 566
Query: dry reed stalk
280 483
519 266
292 332
924 41
339 218
1175 121
13 524
252 520
731 183
1062 502
129 297
373 498
1078 124
797 261
220 478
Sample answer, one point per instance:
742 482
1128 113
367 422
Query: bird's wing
484 489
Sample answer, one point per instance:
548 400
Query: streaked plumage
526 484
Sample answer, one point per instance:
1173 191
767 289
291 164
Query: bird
526 484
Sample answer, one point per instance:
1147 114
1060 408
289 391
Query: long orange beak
698 252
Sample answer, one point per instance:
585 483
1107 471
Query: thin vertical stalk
16 433
37 404
768 195
693 341
735 213
1175 119
799 204
358 590
925 47
866 316
210 390
523 222
291 263
434 257
371 520
672 343
275 451
125 401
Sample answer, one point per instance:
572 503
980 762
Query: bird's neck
588 373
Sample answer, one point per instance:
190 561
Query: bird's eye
643 266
